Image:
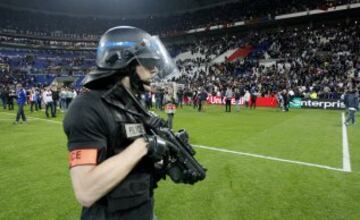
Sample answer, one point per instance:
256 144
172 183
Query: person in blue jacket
21 101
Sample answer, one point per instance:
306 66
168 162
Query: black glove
157 147
155 122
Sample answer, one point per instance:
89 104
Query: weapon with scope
180 163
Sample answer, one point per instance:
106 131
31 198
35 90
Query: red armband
82 157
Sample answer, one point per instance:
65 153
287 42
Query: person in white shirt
247 98
48 101
33 100
70 95
63 106
74 94
228 95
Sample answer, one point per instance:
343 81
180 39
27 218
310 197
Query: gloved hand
155 122
157 147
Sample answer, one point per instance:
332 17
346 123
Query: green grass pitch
35 183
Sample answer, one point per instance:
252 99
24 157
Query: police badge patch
134 130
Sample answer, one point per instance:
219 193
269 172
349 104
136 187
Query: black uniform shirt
90 124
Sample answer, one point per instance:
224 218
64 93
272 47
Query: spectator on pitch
157 99
62 95
291 95
286 98
21 101
161 98
195 99
148 100
48 101
253 97
180 97
202 100
188 97
247 98
228 97
280 100
69 96
10 99
73 94
3 96
169 106
38 97
237 99
222 95
55 97
351 100
33 100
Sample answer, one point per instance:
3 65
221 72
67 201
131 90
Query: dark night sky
111 8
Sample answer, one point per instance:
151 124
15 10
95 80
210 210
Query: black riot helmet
121 46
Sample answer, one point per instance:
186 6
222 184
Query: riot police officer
111 154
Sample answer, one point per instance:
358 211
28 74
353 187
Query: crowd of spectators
321 58
40 61
49 98
39 67
34 23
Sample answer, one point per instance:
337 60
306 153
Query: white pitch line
234 152
47 120
269 158
345 143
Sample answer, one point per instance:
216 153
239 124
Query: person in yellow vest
313 95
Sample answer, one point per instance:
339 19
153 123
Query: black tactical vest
132 198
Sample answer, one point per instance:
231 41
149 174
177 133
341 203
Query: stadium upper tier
321 57
40 24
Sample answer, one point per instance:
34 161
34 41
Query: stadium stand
321 57
27 23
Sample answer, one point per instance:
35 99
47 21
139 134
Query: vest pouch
133 191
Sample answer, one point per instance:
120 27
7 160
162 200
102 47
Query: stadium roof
112 8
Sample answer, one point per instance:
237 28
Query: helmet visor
152 54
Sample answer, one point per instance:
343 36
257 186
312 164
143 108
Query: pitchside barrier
322 103
294 103
260 101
